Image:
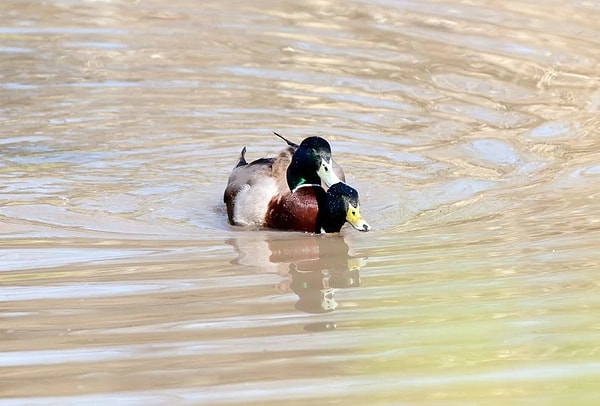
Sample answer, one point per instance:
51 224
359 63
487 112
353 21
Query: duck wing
290 143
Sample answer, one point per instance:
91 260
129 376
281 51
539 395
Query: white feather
252 202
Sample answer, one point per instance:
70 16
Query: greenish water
469 130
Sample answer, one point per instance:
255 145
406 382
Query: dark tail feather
242 159
290 143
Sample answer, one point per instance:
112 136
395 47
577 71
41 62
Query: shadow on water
313 267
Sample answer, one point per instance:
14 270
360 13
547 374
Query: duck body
284 192
252 186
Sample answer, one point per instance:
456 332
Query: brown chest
295 211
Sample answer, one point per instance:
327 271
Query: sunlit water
471 132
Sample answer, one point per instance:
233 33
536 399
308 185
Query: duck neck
297 176
331 215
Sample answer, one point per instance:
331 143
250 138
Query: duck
300 189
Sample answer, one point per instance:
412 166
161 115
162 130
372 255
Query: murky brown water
471 131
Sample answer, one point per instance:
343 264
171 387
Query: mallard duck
285 192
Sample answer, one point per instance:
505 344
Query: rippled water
470 130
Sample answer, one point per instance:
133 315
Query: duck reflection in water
314 266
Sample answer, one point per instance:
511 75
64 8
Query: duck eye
353 213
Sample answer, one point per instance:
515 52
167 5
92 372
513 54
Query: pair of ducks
285 192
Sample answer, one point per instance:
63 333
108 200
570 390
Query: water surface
470 131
